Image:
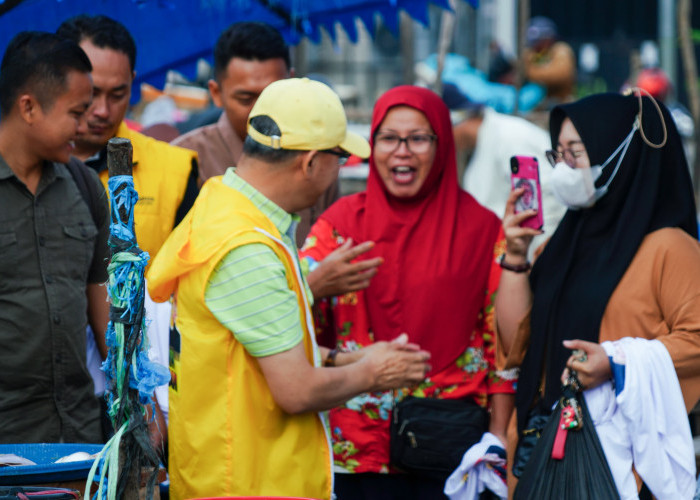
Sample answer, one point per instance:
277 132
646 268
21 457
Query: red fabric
360 427
436 246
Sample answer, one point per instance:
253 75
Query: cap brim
355 144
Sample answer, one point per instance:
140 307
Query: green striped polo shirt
248 292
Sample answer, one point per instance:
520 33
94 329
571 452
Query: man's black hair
39 63
266 126
250 41
104 32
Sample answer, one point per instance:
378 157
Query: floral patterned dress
360 427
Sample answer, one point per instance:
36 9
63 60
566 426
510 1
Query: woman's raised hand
518 238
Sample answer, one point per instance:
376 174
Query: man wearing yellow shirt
249 383
165 176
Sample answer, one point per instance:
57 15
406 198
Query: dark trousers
369 486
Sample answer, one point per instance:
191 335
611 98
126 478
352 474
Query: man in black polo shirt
53 250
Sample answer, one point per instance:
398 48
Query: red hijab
437 246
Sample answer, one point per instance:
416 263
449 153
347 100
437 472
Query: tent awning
174 34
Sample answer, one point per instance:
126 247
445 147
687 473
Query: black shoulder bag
429 436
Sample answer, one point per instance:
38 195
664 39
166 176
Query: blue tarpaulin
174 34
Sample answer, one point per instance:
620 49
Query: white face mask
575 187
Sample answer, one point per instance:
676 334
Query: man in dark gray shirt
53 247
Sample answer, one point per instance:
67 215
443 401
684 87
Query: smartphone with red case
524 172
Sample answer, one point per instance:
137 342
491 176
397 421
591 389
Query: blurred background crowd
493 51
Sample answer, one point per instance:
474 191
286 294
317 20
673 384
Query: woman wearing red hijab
436 283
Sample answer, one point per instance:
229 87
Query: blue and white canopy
174 34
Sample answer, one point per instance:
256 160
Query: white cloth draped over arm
477 471
646 424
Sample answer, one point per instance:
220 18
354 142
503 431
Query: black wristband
330 359
520 268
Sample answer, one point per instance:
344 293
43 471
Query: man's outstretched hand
338 275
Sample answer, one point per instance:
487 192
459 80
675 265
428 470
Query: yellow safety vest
161 172
227 435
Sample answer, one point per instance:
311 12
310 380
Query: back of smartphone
524 172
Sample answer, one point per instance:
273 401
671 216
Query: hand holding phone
524 173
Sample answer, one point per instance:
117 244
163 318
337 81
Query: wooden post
523 20
119 162
407 48
690 70
447 28
119 156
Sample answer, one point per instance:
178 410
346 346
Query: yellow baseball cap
309 115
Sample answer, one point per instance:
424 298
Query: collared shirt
98 163
219 147
248 291
50 249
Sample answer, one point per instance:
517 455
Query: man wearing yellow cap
249 382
